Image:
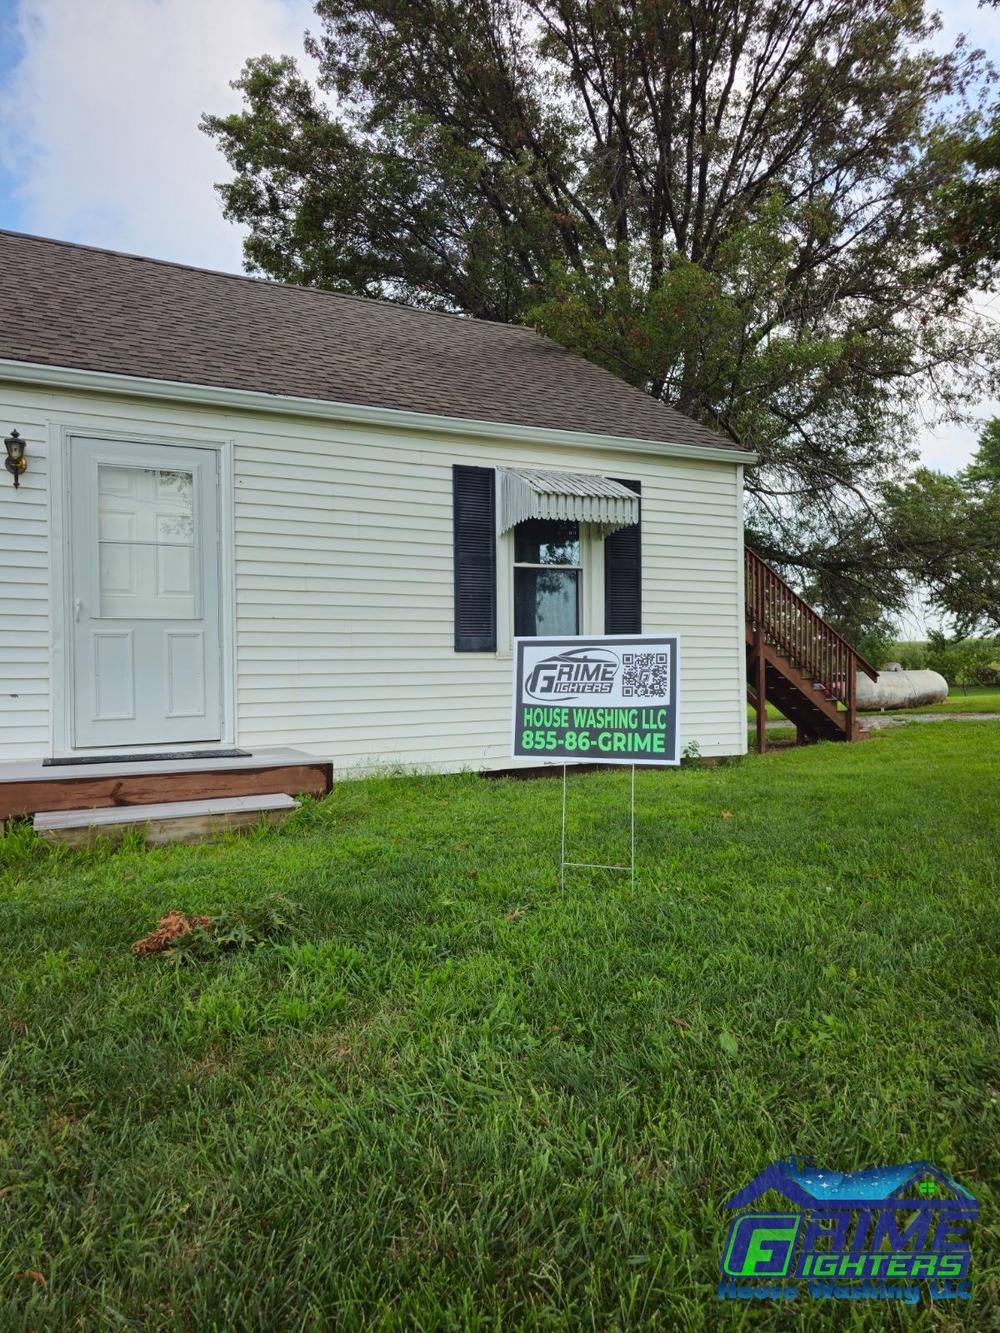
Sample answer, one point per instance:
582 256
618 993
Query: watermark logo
761 1245
883 1234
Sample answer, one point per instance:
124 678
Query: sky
99 141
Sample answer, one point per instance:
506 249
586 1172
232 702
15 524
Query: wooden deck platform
27 787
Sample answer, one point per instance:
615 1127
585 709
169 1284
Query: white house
261 516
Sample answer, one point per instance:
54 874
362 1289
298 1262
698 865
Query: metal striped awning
531 493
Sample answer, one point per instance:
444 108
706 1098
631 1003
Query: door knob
77 608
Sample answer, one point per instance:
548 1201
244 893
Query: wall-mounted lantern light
15 461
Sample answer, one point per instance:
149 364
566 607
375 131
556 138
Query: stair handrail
809 641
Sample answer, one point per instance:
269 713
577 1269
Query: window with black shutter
623 576
545 583
474 505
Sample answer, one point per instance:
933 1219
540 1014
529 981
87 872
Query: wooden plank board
178 821
135 814
200 828
115 790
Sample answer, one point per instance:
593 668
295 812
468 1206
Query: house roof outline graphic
809 1186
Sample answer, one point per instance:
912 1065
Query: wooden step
30 786
168 821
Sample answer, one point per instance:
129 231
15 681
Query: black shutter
474 498
623 576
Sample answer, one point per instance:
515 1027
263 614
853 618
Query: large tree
968 232
726 202
950 527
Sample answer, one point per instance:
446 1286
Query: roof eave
211 395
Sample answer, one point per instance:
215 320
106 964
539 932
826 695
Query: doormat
146 758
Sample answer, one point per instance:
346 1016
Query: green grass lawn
458 1098
979 699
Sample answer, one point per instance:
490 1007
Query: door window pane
146 543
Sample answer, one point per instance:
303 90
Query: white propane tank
896 688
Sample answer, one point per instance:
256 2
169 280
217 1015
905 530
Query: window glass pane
146 541
545 541
546 601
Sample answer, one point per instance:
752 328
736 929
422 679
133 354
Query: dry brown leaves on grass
169 929
35 1276
187 939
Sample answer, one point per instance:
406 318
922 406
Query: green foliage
964 662
982 476
874 646
950 527
460 1099
910 654
691 755
247 927
969 232
860 615
726 205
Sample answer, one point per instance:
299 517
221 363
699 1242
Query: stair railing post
850 690
760 674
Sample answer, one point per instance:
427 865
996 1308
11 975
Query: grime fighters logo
872 1235
571 674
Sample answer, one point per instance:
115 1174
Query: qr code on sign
645 675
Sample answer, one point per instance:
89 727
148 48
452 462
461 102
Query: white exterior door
144 594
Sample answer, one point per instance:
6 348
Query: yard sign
606 700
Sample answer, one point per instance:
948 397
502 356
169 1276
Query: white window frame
591 586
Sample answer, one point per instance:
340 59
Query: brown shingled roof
88 309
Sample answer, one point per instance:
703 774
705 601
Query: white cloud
101 128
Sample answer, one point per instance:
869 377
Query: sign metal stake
596 865
633 829
562 863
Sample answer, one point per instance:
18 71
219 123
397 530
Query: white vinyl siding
344 582
24 589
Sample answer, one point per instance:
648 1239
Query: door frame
60 438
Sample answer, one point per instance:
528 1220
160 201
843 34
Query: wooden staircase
797 662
